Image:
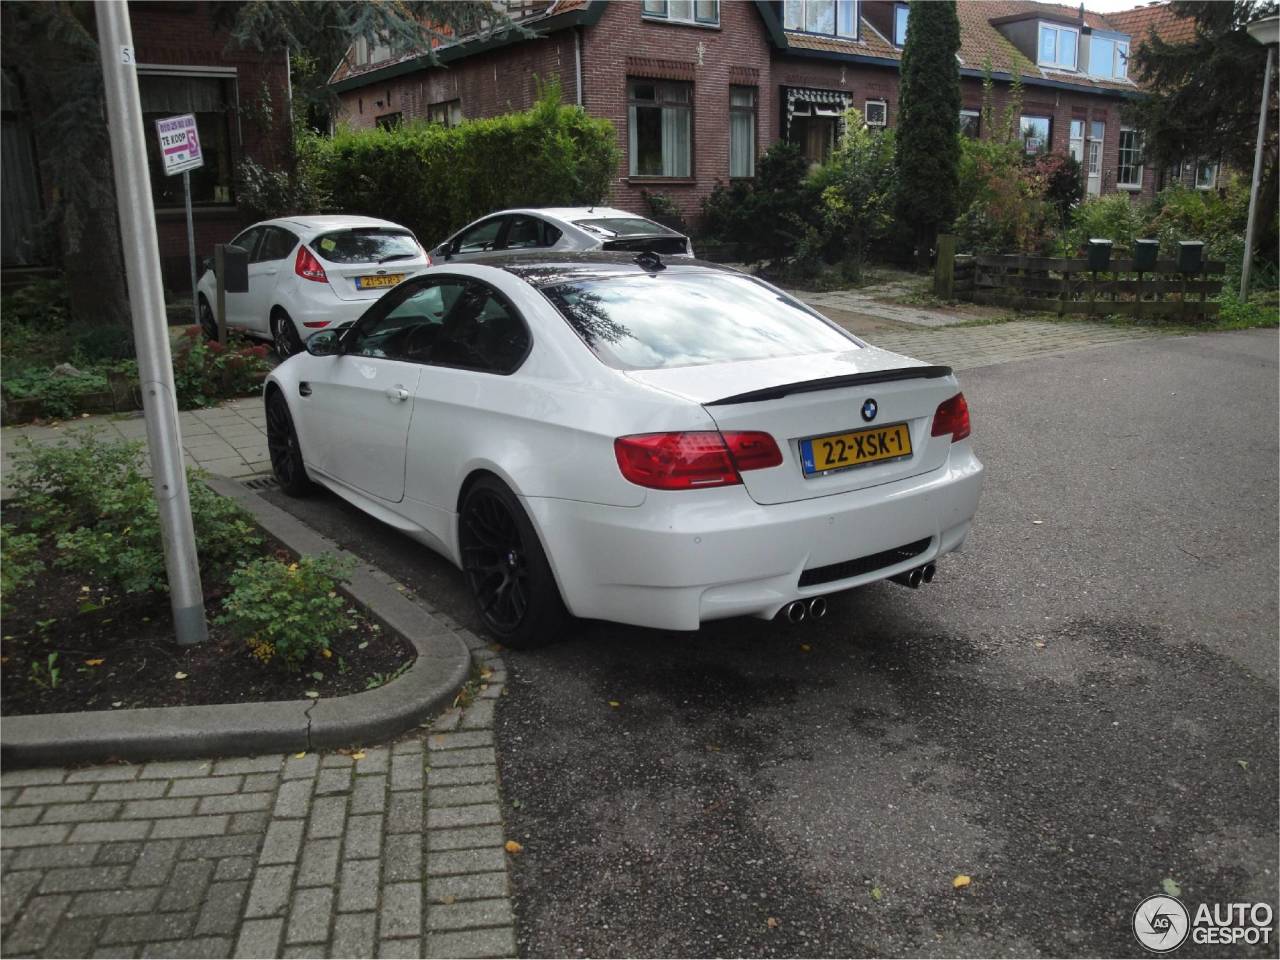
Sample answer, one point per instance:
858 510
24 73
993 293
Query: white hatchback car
308 273
655 444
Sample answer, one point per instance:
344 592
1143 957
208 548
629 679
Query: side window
276 245
550 235
483 236
249 240
410 329
481 332
524 233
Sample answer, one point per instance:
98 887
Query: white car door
238 304
265 265
365 396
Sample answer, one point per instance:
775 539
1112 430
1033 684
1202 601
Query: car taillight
308 267
430 262
952 417
692 459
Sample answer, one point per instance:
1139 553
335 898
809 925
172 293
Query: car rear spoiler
833 383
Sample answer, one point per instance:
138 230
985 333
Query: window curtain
742 133
675 142
175 95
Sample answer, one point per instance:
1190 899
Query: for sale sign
179 144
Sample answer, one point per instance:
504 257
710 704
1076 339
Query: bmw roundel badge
869 410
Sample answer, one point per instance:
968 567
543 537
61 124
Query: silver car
561 229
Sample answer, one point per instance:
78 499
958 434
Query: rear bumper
682 558
316 304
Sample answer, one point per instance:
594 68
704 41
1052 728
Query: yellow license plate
384 280
839 451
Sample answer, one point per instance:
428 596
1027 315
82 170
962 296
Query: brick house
697 88
185 65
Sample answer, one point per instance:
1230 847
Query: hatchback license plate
840 451
383 280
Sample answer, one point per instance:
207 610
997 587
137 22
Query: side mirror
325 343
206 264
235 263
441 252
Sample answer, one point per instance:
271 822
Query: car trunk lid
364 263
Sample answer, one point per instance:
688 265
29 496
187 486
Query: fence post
944 270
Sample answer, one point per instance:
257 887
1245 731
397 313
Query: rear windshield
649 322
624 227
366 245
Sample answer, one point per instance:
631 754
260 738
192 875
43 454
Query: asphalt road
1082 707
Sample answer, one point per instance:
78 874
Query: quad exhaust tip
817 608
795 611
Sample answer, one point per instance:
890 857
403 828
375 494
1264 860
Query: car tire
284 449
506 568
284 335
208 322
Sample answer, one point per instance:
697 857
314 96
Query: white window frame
744 110
802 5
1213 183
661 10
1136 167
905 11
1057 63
661 102
1047 145
884 113
977 114
1118 68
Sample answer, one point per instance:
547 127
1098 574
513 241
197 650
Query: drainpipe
577 63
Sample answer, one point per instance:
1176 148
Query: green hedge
435 179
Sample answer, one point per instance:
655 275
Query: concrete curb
177 733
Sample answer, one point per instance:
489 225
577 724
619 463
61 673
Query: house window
876 113
1075 142
447 114
683 11
1129 170
837 18
389 121
1206 174
660 122
1036 134
742 131
211 99
1058 46
1108 57
814 127
900 13
971 124
361 52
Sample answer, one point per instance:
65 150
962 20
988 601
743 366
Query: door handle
397 394
304 389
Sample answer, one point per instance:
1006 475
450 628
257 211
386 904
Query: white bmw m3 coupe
616 437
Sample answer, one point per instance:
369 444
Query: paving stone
148 927
112 772
260 782
465 838
74 937
7 795
213 848
75 812
122 952
269 893
24 816
449 862
284 840
150 809
68 855
334 781
410 746
253 821
109 903
490 691
464 796
118 853
456 741
309 918
327 816
14 892
110 831
187 885
205 786
190 827
172 769
456 776
406 772
331 760
271 764
354 935
369 794
66 793
478 716
34 836
301 767
463 758
473 816
471 913
302 951
234 803
134 790
376 760
221 911
154 863
259 938
319 864
293 799
36 925
69 879
449 720
494 942
401 858
363 837
401 914
234 868
470 886
405 814
195 947
39 775
406 949
359 887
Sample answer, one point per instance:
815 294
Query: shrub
59 484
19 563
40 303
435 179
61 395
664 210
265 194
724 212
205 371
1063 184
1180 213
287 612
858 188
1006 209
1113 218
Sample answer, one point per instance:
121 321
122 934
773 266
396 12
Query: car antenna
649 260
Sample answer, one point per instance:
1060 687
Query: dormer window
1058 45
900 14
1108 56
834 18
705 12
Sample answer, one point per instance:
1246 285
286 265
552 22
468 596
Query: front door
1093 166
239 308
264 273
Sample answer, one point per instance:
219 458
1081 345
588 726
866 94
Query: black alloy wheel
282 446
208 322
284 335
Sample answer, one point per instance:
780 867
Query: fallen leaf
1170 886
772 923
485 673
317 675
94 662
179 675
805 648
448 899
961 881
1037 522
358 755
84 589
117 703
513 847
1040 644
615 704
1244 764
362 644
300 754
313 694
876 893
326 653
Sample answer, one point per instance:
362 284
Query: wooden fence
1066 285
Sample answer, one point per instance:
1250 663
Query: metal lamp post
1265 31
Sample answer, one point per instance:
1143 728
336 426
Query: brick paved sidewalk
393 851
